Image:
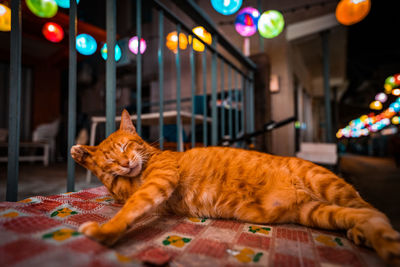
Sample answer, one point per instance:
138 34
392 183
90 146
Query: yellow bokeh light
396 120
5 18
172 41
204 35
375 105
388 88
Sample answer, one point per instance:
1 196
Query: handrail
230 48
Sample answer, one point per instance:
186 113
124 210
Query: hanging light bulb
53 32
64 3
349 12
226 7
271 24
381 97
204 35
375 105
118 52
5 18
86 44
246 21
134 45
396 92
43 8
172 41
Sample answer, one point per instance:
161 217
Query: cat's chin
134 171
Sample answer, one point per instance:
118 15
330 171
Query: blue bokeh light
86 44
118 52
226 7
64 3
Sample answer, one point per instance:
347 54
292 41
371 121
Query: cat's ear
126 122
81 153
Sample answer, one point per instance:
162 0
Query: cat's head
123 153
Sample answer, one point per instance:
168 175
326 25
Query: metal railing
240 120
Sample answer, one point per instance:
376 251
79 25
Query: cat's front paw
78 153
94 231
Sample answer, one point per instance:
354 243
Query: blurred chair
320 153
47 133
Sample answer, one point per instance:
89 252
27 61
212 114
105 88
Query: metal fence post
178 92
193 89
222 100
71 93
111 10
15 102
204 63
161 74
214 114
139 68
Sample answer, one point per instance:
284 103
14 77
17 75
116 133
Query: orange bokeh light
349 12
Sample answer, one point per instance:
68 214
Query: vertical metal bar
193 87
236 92
178 92
71 94
15 102
161 73
139 68
214 114
222 99
260 38
230 97
245 106
111 10
327 90
204 61
252 104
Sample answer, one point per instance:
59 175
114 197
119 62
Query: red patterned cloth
42 231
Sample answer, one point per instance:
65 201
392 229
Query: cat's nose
124 163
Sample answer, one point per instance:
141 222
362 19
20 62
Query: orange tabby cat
221 182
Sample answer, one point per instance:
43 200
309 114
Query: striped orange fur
221 182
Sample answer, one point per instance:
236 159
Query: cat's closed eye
109 161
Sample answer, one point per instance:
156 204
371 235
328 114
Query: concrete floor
35 179
377 180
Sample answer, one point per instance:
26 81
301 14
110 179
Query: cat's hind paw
357 236
388 247
94 231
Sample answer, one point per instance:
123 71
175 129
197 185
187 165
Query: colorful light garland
365 124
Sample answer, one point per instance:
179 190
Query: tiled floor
377 180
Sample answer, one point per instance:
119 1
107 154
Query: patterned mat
42 231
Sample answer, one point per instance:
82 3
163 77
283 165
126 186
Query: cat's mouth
132 172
